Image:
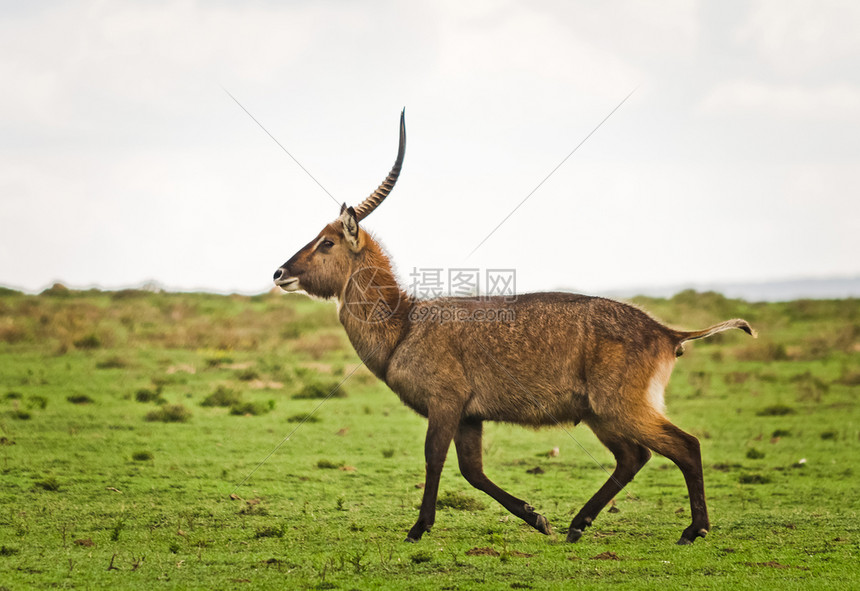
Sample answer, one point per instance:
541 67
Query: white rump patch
657 386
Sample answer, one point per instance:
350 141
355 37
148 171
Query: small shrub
90 341
8 551
776 410
781 433
13 396
303 418
421 556
320 390
142 456
248 375
223 397
829 435
254 507
754 454
170 413
21 415
737 377
387 453
252 408
112 363
79 399
459 501
147 395
270 531
50 483
39 402
116 529
753 479
851 378
329 465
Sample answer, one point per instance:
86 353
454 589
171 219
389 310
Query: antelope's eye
327 243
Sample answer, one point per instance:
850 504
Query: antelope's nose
279 273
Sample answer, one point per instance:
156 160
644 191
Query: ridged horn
372 202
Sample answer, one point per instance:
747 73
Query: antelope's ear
350 227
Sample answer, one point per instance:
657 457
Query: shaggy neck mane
373 308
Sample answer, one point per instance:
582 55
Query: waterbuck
541 359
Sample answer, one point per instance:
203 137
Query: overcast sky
736 158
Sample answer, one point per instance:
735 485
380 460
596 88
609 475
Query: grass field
134 428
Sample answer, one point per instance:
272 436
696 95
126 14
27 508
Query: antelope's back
530 360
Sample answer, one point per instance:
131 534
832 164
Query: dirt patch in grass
485 551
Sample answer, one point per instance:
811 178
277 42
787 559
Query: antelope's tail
727 325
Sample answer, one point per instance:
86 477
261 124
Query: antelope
553 358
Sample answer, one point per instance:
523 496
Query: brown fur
552 358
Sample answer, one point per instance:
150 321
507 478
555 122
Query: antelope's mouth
288 283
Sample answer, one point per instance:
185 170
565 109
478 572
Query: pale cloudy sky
123 160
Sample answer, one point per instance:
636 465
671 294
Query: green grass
94 495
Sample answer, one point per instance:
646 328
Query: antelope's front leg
441 426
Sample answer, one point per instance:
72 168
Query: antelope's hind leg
684 450
469 456
629 457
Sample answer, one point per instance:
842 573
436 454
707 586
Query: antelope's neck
374 310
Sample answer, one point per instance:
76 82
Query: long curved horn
375 198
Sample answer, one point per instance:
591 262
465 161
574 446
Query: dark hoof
416 532
410 540
573 534
542 525
685 541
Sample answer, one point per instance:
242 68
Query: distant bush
170 413
247 375
754 454
303 418
776 410
252 408
90 341
849 378
329 465
271 531
320 390
58 290
79 399
112 363
764 352
39 402
753 479
142 456
10 333
147 395
223 397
